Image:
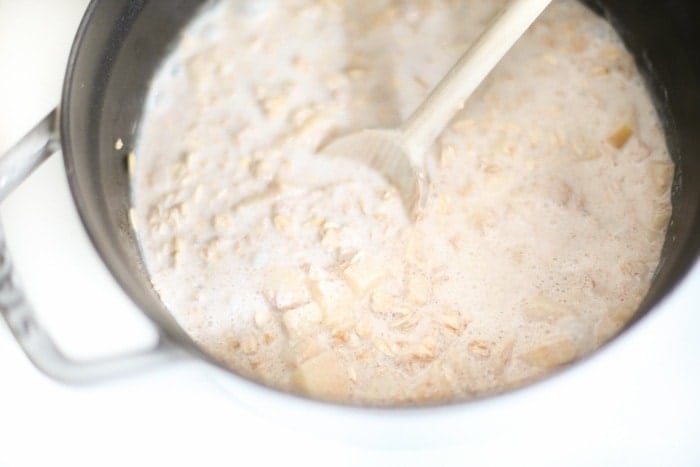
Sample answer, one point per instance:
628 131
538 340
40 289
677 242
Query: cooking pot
118 48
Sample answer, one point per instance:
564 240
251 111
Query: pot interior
121 44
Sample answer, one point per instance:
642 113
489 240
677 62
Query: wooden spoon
399 154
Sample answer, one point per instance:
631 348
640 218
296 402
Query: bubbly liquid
547 211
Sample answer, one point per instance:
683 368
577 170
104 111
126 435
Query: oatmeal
548 205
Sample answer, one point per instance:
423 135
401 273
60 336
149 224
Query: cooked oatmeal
548 205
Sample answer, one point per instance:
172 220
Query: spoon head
383 151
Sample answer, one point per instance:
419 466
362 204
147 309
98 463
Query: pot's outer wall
122 42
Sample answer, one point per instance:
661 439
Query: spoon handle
448 97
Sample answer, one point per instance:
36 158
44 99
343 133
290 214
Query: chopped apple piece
285 287
661 175
336 302
297 320
551 355
363 273
323 376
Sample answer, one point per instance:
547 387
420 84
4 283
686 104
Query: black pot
119 47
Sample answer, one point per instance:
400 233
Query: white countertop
638 402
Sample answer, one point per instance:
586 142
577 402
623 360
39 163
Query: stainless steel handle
25 156
15 166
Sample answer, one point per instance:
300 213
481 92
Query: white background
636 403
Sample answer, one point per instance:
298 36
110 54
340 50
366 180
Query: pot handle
42 141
